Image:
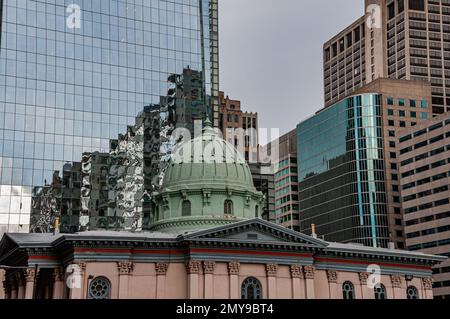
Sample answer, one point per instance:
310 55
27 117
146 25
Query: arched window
380 292
228 207
348 290
186 208
412 293
256 211
251 289
100 288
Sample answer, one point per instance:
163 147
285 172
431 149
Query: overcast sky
271 54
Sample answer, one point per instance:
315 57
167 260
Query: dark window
228 207
380 292
251 289
412 293
418 5
391 10
186 208
348 290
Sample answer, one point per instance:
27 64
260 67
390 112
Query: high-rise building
348 176
398 39
286 182
424 168
72 78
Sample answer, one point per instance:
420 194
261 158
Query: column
297 278
397 281
58 283
366 292
332 277
21 284
427 288
125 270
7 289
208 270
193 269
309 284
77 275
161 272
233 272
30 275
2 280
271 271
14 287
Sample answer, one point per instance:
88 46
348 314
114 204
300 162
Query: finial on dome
207 122
207 126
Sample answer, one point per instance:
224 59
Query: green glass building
341 172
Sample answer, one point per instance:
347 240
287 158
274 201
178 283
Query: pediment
256 230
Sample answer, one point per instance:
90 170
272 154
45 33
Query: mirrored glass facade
341 174
74 74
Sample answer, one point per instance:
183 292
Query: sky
271 54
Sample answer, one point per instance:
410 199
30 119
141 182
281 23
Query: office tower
424 168
72 78
398 39
239 127
286 182
348 177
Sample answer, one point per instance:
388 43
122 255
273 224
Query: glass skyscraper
341 172
74 74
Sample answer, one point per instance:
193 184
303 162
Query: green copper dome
207 184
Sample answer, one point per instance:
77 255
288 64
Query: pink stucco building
248 259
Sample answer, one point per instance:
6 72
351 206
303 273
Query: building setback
348 180
398 39
424 167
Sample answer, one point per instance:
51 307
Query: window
186 208
390 101
418 5
424 104
424 116
390 112
99 288
412 103
228 207
348 290
401 102
414 115
412 293
380 292
251 289
256 211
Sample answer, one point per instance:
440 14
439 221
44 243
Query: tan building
238 127
424 168
400 39
286 182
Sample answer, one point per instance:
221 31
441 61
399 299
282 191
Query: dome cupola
207 184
